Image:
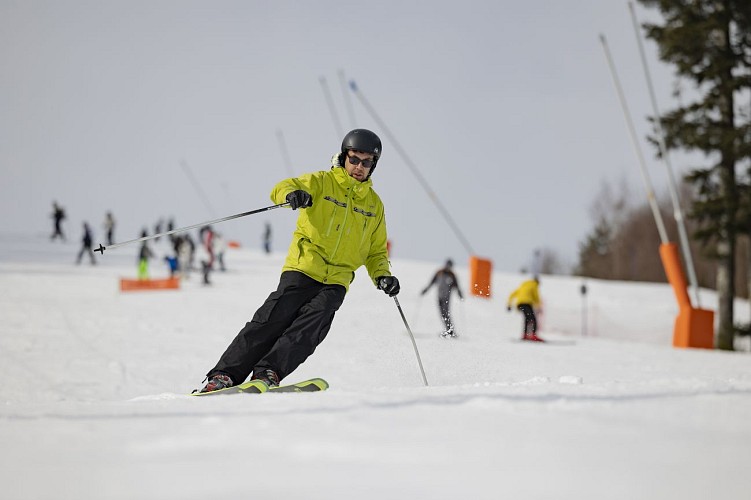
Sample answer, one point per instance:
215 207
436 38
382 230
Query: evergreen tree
709 43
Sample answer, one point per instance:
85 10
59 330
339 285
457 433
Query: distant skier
172 237
86 245
527 298
144 254
109 227
58 215
158 228
206 252
219 246
189 247
267 238
446 281
182 251
341 226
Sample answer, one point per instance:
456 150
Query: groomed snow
95 383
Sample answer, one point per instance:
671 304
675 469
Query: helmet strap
372 169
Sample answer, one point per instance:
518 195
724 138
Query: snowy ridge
618 414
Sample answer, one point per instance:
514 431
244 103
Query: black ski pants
285 330
443 307
530 321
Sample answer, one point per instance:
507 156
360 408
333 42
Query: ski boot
532 337
268 376
218 381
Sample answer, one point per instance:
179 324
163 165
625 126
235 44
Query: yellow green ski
258 387
311 385
250 387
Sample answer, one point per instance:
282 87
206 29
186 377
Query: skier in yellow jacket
340 227
527 298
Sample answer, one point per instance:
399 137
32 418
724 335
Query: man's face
359 170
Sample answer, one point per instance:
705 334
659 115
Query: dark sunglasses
356 160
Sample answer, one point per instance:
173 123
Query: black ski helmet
363 140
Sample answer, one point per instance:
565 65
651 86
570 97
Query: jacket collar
360 189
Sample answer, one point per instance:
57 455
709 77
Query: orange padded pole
672 264
693 327
480 271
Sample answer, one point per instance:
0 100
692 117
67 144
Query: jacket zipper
364 227
331 220
343 224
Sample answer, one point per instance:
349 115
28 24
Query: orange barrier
693 327
234 244
479 276
130 285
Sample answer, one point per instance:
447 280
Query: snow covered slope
95 383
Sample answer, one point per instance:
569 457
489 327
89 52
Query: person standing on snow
86 245
183 252
219 247
144 254
109 227
340 227
446 281
206 252
267 238
527 298
58 214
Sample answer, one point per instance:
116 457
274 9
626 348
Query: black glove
299 199
388 284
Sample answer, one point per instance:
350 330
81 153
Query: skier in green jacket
340 227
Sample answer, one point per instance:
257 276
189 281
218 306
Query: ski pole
188 228
414 344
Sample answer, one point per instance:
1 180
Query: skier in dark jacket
58 214
446 281
341 226
86 245
267 238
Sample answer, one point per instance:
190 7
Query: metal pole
413 168
347 99
414 344
332 109
677 210
102 248
583 291
634 139
285 152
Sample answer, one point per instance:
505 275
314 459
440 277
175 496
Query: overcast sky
506 108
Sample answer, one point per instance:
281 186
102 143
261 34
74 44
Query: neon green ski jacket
343 230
